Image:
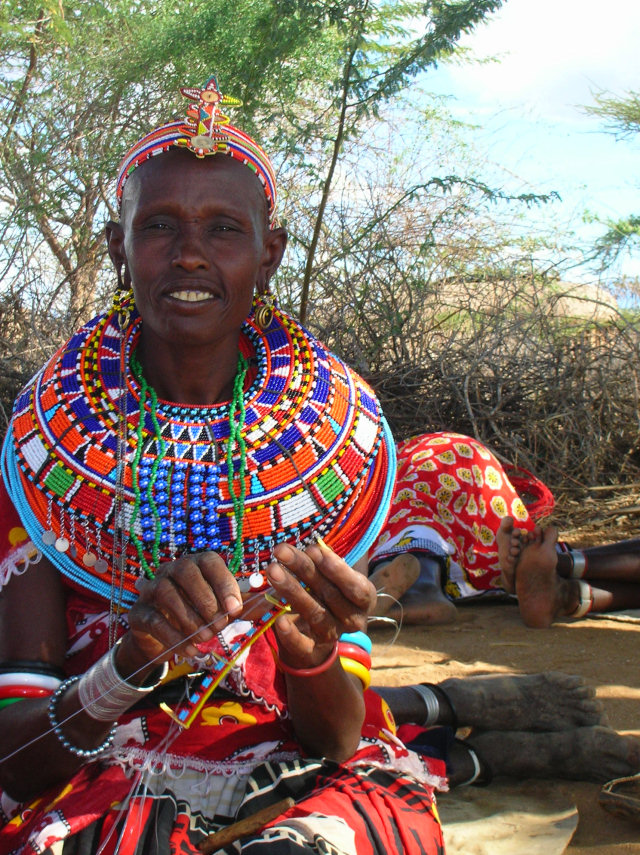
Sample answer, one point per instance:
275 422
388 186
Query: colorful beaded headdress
205 131
98 468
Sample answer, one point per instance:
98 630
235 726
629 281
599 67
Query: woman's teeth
191 296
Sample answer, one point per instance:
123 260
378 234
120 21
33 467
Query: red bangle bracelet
24 692
352 651
311 672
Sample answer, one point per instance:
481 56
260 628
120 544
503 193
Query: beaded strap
52 712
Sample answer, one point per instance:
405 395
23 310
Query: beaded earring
263 305
123 300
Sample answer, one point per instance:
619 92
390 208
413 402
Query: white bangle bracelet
579 563
585 602
103 693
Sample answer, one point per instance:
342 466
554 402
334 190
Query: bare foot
547 701
391 580
511 541
542 594
583 754
425 604
508 540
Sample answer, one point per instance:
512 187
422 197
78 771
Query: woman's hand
187 602
327 597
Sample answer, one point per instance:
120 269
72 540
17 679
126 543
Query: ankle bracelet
576 557
430 701
433 697
585 600
482 775
578 563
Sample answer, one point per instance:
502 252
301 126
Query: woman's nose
190 249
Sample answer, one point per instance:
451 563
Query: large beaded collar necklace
104 474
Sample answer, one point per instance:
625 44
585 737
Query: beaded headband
204 131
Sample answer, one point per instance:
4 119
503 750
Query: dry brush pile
548 380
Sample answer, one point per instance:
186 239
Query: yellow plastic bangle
357 669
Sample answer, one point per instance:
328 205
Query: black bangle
52 711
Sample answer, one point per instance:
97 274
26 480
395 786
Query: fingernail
275 572
232 604
285 553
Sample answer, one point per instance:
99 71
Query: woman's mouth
191 296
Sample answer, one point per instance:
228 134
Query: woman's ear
114 234
275 243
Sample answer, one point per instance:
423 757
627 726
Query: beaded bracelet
311 672
357 669
84 753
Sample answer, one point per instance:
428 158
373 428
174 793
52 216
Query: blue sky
553 56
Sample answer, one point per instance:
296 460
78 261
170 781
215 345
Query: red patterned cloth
451 493
162 788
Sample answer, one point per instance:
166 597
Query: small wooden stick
244 827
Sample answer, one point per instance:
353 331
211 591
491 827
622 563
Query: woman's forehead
165 179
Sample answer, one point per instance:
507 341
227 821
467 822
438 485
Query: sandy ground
489 637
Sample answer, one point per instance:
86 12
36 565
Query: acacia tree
381 49
76 88
622 117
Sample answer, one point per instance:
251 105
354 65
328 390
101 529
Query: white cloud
554 53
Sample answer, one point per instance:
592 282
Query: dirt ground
489 637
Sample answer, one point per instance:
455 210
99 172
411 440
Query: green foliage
622 117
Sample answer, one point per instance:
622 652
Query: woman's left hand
326 596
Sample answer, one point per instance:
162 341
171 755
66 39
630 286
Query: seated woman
184 471
459 528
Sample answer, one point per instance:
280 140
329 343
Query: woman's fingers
334 598
187 601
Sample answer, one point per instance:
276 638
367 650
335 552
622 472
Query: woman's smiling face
195 240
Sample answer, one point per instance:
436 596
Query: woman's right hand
187 602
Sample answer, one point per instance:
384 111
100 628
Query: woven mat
628 616
508 817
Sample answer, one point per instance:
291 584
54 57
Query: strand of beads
236 438
144 475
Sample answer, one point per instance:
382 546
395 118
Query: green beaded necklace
237 415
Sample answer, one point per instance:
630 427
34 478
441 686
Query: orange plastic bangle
311 672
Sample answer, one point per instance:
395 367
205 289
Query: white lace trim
18 562
132 759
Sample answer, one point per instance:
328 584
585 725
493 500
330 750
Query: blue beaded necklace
178 501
